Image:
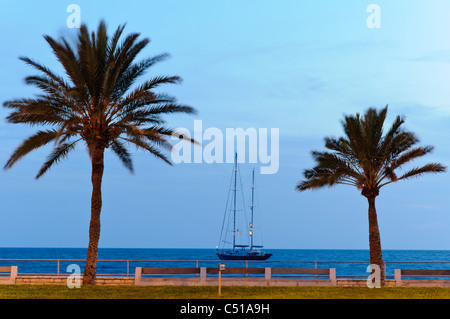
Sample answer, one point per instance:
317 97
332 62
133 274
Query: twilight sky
298 66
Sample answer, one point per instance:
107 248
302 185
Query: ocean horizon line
210 248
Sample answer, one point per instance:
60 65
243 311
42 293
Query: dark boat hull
231 256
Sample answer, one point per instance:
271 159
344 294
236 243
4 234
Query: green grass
211 292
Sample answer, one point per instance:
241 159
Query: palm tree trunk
96 207
376 257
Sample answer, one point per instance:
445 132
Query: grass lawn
211 292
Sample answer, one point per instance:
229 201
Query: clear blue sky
294 65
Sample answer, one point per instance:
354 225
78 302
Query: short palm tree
99 105
368 160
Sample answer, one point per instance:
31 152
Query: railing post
398 277
57 269
13 274
202 275
315 267
137 276
268 275
333 276
128 268
246 266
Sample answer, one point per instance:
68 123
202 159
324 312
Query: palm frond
143 91
410 155
35 141
426 169
133 73
60 152
45 70
68 60
141 144
123 154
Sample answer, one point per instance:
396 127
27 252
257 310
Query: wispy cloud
439 56
427 207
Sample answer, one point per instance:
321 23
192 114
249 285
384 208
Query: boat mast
251 223
234 209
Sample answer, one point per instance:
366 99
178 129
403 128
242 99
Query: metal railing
126 267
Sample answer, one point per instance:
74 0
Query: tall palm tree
96 104
368 160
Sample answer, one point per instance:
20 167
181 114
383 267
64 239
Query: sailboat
240 251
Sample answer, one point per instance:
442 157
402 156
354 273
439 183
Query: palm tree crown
367 159
97 103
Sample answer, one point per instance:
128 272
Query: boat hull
231 256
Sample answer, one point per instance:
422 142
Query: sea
123 261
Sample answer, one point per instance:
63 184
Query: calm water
113 260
